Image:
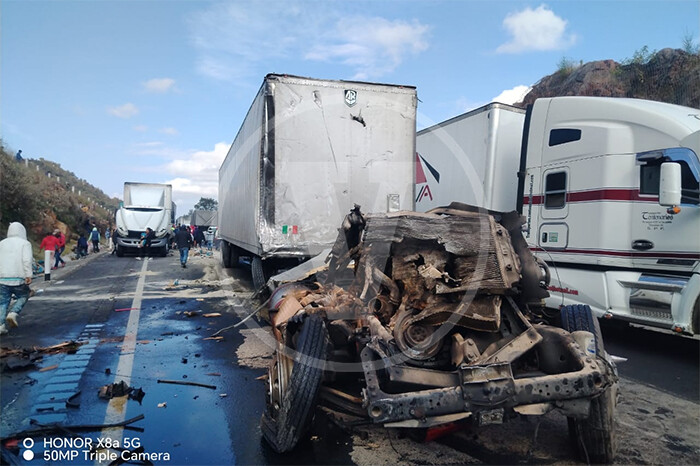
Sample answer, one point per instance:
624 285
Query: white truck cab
609 188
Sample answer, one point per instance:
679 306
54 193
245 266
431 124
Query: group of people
16 259
186 237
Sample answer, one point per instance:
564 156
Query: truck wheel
257 270
120 251
594 436
580 317
233 255
226 254
293 387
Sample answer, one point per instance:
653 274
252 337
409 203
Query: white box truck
146 205
609 188
307 151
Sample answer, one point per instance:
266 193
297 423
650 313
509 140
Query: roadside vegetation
43 196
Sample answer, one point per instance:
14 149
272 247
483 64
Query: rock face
670 75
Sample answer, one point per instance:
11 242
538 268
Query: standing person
49 243
114 241
209 235
15 273
60 247
184 242
107 235
150 236
198 237
95 238
82 246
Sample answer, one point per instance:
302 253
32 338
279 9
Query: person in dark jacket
82 246
184 242
147 240
198 237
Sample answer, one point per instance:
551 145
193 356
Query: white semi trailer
609 188
306 152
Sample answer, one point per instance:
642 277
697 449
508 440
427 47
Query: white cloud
124 111
536 30
159 85
379 49
234 41
196 175
140 128
512 96
169 131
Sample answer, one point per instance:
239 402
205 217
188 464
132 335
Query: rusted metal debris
442 313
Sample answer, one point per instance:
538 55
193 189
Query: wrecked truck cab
441 315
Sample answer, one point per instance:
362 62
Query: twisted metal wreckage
442 313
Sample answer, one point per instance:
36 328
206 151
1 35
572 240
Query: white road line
116 409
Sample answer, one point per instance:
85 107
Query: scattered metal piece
181 382
70 402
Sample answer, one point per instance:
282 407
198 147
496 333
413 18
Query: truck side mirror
670 184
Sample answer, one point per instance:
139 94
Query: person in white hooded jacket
15 273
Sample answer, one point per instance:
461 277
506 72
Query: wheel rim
280 372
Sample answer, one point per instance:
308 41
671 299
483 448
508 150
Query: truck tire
593 436
120 250
289 414
257 270
226 254
233 255
580 317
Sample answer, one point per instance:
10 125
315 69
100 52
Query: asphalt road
93 301
134 315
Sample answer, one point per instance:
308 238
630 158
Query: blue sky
155 90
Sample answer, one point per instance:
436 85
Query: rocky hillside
669 75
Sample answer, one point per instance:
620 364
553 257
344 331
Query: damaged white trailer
307 151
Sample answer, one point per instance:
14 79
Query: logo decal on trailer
421 178
350 97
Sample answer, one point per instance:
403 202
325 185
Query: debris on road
214 338
48 368
17 363
46 429
212 314
65 347
114 390
70 402
163 405
191 313
126 309
180 382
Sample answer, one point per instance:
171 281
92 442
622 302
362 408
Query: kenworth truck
609 190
